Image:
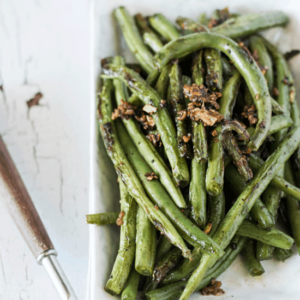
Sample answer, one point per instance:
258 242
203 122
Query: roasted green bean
145 244
190 25
148 151
199 132
161 118
292 206
131 287
133 39
252 264
273 237
109 218
163 267
171 291
190 232
278 182
149 36
215 170
164 27
178 106
242 26
282 254
198 193
258 212
258 47
241 60
125 257
243 205
214 76
264 251
126 173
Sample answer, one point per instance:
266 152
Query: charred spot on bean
108 127
262 125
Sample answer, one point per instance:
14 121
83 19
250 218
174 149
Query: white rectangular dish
281 280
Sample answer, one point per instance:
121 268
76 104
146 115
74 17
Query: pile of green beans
201 125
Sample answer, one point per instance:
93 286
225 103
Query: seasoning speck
120 218
150 176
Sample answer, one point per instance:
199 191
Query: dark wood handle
19 203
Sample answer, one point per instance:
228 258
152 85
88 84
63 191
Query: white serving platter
281 280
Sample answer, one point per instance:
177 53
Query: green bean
186 267
164 27
232 148
109 218
164 244
197 68
217 214
245 25
241 60
278 123
149 36
126 173
214 76
226 68
171 291
190 25
199 133
162 248
166 264
282 254
145 244
162 119
264 59
190 232
273 237
294 113
283 98
215 170
177 105
243 205
292 206
131 287
252 264
198 166
133 39
284 219
278 182
151 80
276 108
198 193
203 19
125 257
187 80
163 82
258 212
148 151
271 198
233 125
264 251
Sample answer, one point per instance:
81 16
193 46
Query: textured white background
45 46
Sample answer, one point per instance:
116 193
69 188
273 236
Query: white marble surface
45 47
